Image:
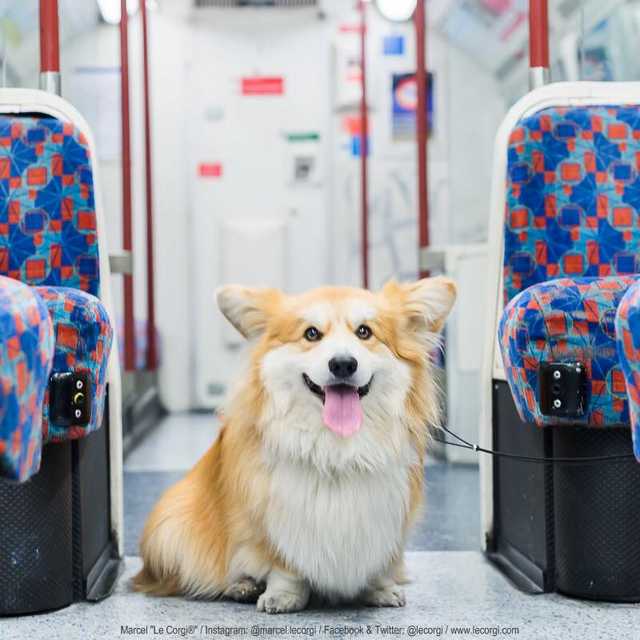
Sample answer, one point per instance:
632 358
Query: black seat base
570 528
56 546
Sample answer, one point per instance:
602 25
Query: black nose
343 367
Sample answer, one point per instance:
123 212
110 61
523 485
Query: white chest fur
337 532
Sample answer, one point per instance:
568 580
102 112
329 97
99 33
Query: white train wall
234 208
252 221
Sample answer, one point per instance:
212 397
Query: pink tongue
342 411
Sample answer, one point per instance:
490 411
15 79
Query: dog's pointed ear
426 303
247 309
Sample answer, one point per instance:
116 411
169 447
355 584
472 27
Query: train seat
61 421
571 237
561 356
46 330
48 240
567 320
83 337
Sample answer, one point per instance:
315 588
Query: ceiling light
397 10
110 9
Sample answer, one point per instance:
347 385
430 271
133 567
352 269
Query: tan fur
191 538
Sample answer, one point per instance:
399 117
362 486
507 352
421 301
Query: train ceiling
493 32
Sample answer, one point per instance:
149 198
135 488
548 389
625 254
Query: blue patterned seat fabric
628 339
573 196
572 238
47 210
83 337
567 320
26 352
48 239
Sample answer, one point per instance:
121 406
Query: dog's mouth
320 392
342 411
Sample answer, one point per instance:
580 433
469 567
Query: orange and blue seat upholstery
53 318
567 320
26 353
571 255
628 337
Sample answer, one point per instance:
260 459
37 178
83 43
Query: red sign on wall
352 125
349 28
263 86
210 169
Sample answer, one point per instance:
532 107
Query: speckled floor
451 590
454 591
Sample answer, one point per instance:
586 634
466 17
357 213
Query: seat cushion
83 337
628 338
573 195
567 320
26 354
47 208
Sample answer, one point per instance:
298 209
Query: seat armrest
567 320
628 340
26 353
83 338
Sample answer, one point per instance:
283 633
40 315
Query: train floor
453 591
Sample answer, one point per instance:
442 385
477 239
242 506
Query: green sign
303 136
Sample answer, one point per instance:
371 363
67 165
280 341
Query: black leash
464 444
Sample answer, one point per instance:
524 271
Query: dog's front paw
245 590
282 601
392 596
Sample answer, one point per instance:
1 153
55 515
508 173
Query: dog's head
341 368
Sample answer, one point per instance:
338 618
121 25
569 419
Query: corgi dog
317 472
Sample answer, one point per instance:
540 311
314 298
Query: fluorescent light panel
397 10
110 9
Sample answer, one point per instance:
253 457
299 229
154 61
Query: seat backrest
47 209
573 195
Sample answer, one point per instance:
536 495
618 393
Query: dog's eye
312 334
364 332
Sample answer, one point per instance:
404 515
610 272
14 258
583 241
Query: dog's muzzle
318 390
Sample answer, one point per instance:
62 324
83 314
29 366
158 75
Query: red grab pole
127 232
152 355
49 46
364 144
49 36
422 131
538 43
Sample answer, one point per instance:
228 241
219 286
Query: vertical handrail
49 47
538 43
422 127
127 229
152 355
364 150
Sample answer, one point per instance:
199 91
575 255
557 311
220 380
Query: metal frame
539 74
422 132
364 146
127 225
152 355
49 47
